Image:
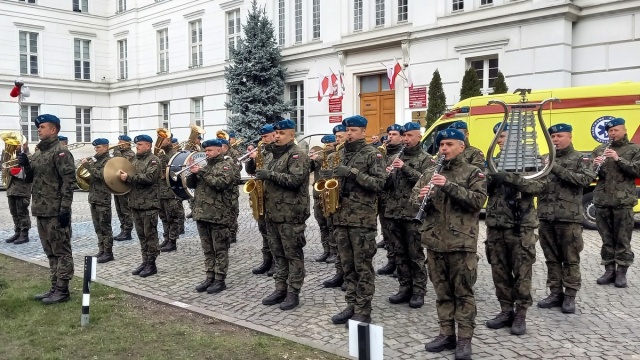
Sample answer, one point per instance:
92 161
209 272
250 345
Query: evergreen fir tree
470 84
500 85
437 100
255 77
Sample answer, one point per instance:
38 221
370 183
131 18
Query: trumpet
238 142
245 157
174 175
121 145
420 215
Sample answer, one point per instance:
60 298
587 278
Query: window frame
298 20
315 20
164 117
457 5
121 6
123 116
358 13
28 54
281 23
195 45
31 133
379 6
485 79
81 124
237 27
123 61
163 53
403 11
83 5
486 2
28 1
297 106
83 61
197 118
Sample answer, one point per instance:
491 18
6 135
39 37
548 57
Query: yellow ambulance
586 108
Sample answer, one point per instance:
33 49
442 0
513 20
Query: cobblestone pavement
604 326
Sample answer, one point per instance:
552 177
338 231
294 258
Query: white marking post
365 341
89 275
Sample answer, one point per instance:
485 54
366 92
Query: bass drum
179 162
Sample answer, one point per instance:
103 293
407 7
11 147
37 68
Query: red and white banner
323 87
409 78
392 74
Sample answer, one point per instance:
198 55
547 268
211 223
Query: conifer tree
470 84
500 85
437 99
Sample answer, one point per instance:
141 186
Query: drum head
178 162
193 157
112 177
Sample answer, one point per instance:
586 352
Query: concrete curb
201 311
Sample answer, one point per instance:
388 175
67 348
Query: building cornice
82 33
482 46
364 41
194 15
121 34
24 26
230 5
161 24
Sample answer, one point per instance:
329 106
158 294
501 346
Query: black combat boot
621 276
39 297
290 302
106 257
343 316
323 257
124 235
332 258
202 287
387 269
149 270
98 254
216 287
170 246
416 301
13 238
554 299
164 243
343 287
441 342
504 318
276 297
609 275
360 318
139 269
463 350
569 304
120 236
403 296
61 294
23 238
272 270
519 326
262 268
334 281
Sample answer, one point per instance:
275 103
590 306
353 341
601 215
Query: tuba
83 176
255 187
330 188
13 140
191 144
162 134
221 134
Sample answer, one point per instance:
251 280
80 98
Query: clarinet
398 155
420 216
605 149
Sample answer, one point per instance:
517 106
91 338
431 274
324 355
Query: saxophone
255 187
320 185
331 197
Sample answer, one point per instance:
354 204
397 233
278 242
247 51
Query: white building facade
107 67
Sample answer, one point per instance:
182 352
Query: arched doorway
377 103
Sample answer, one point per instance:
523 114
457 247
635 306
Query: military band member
375 141
361 176
403 172
170 204
267 134
181 213
560 211
145 203
122 201
197 147
511 243
450 233
63 140
19 197
213 198
286 188
472 154
52 171
316 163
614 197
234 154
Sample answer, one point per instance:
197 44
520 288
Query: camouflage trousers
562 243
323 224
453 276
287 242
56 244
214 239
234 227
19 209
101 216
511 257
146 222
405 238
388 244
357 247
615 227
170 216
124 212
181 216
266 251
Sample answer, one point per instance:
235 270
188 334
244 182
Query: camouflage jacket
18 186
53 177
616 184
144 183
453 211
514 196
286 191
473 156
267 157
316 167
99 194
214 200
561 197
359 193
126 153
164 190
401 181
388 157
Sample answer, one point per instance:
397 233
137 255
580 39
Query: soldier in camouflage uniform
403 172
65 142
197 147
19 197
145 203
213 198
170 204
234 154
51 173
122 201
561 214
614 197
286 189
472 154
318 161
100 199
361 177
511 243
181 214
267 134
450 233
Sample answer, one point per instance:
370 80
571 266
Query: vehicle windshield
429 142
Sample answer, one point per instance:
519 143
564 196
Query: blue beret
395 127
615 122
62 138
449 133
339 128
145 138
384 138
174 140
459 125
267 129
46 118
497 126
100 141
124 138
558 128
410 126
232 134
223 141
286 124
328 139
355 121
213 142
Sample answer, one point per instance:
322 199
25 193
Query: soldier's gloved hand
23 160
497 178
64 217
342 171
263 174
325 173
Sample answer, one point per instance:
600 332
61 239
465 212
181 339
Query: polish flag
409 79
337 86
17 172
392 73
323 87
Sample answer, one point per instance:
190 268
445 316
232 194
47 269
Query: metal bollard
89 275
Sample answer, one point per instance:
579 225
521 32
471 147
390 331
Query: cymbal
112 177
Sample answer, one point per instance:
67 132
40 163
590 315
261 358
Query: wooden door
387 111
370 109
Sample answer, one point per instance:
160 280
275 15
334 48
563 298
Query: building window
316 19
81 5
296 97
196 43
198 112
163 51
298 20
124 120
486 2
28 115
487 70
29 1
122 6
83 125
357 15
403 10
123 69
380 12
458 5
28 53
165 120
281 20
233 29
374 83
82 62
